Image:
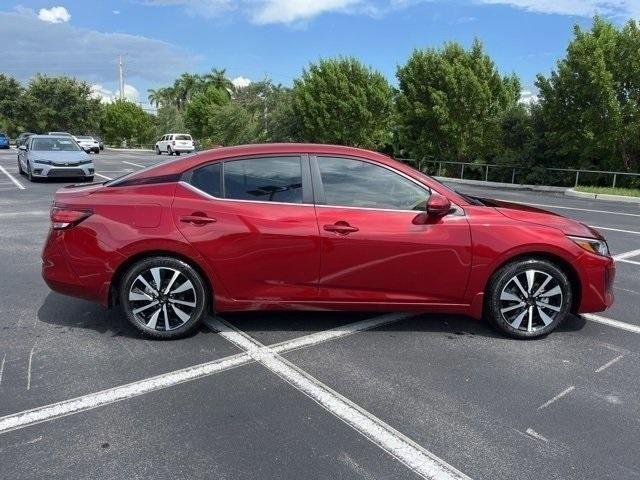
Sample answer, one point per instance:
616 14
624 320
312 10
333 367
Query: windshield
54 145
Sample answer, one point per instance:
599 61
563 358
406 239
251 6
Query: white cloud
289 11
527 97
583 8
116 12
30 46
241 82
131 93
285 11
54 15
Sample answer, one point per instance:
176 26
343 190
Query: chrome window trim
459 210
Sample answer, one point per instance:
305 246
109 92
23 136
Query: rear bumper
181 149
74 263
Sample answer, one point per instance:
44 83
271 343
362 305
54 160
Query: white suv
175 143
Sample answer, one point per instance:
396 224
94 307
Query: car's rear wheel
169 151
158 152
163 297
528 298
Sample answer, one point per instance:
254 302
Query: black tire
169 151
178 153
546 308
97 151
20 171
197 293
30 176
158 152
88 179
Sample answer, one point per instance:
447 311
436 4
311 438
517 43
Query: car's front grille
66 172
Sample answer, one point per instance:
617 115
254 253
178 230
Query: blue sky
252 39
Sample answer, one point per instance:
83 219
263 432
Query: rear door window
208 179
270 179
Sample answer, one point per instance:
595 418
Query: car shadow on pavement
301 323
68 312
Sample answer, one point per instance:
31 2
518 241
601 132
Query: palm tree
154 96
218 79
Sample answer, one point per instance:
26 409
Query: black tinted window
207 179
354 183
274 179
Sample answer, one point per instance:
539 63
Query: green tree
451 101
10 105
342 101
125 121
61 104
201 108
591 102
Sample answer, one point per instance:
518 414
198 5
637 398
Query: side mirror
438 205
22 147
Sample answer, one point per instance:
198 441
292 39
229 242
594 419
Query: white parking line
20 214
629 327
557 397
615 229
103 176
134 164
609 363
570 208
15 182
625 255
94 400
418 459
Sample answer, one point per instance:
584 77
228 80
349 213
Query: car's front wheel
20 171
163 297
528 298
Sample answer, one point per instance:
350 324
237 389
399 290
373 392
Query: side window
208 179
272 179
355 183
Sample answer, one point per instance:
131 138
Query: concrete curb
602 196
128 149
512 186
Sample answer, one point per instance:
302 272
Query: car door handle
197 219
340 227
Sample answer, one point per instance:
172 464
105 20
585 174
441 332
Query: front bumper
43 170
597 277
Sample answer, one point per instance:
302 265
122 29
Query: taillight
173 142
62 217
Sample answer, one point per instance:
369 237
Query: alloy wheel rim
531 300
162 298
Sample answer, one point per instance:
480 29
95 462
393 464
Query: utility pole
121 79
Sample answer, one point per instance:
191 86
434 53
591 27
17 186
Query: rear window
182 137
208 179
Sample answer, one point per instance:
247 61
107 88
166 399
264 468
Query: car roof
49 136
179 165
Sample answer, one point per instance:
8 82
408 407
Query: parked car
4 141
175 143
22 138
293 226
53 156
61 134
87 143
100 142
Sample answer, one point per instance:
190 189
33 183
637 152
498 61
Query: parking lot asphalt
310 394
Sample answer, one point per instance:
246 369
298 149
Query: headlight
592 245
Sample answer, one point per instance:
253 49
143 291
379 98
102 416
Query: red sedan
296 226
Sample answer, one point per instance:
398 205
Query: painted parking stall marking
418 459
134 389
12 178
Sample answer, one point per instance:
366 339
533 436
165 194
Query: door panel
260 250
372 251
389 259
